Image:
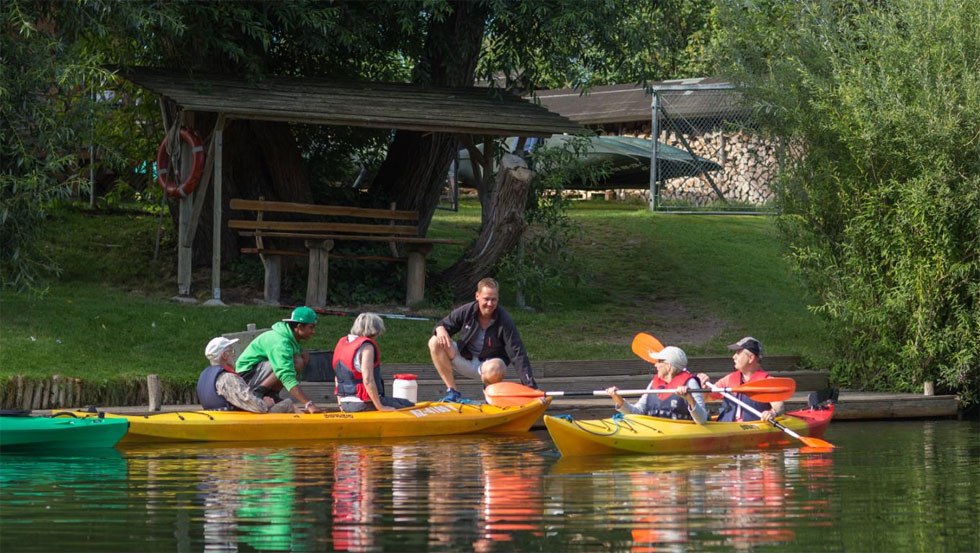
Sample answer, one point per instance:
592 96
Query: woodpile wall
749 164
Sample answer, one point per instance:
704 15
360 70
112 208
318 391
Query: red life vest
668 405
350 381
730 409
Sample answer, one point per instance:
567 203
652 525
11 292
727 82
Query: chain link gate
713 159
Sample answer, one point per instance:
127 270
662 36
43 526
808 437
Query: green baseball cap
303 315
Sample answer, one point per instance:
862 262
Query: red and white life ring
164 176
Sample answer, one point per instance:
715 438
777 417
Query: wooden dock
579 376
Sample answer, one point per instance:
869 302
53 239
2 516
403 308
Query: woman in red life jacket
357 366
748 353
680 404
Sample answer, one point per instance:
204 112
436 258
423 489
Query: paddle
644 344
507 394
812 442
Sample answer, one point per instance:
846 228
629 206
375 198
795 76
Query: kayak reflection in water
676 401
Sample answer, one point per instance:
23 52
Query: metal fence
708 155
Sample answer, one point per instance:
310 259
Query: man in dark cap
748 368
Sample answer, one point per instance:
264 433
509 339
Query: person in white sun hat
219 388
678 404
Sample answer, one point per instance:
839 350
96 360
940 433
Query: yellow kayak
642 434
424 419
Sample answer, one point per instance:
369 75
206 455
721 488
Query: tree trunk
261 158
414 172
500 235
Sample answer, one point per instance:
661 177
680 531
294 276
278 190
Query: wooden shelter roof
624 103
461 110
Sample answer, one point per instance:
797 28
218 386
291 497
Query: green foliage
57 102
541 259
570 43
37 150
880 200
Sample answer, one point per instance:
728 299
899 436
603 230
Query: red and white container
406 386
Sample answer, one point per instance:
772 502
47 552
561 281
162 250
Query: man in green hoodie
271 360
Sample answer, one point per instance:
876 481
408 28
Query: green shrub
880 198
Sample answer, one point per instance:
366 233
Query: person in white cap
219 388
748 368
672 373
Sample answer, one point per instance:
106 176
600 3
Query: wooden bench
319 227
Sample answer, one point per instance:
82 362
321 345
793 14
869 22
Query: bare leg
442 358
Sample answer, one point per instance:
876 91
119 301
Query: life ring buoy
167 181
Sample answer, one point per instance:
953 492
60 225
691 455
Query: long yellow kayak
424 419
642 434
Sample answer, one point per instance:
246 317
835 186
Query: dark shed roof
627 103
355 103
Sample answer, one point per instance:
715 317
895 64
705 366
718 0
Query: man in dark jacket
488 341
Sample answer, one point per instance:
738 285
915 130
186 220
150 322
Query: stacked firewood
749 167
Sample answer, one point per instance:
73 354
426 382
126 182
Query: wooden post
416 273
184 250
273 278
929 388
316 283
153 391
217 150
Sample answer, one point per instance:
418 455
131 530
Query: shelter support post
217 144
655 138
316 284
416 272
273 278
184 249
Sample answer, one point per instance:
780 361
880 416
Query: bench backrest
384 219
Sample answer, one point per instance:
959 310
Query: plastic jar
406 387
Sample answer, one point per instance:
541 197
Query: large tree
507 43
879 106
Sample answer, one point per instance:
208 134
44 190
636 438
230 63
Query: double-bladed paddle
506 394
644 345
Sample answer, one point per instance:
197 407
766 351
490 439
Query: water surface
890 486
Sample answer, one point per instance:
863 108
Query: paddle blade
818 445
510 394
644 344
768 390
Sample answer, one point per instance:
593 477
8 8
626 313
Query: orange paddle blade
768 390
644 344
818 445
510 394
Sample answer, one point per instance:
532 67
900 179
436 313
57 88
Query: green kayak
22 433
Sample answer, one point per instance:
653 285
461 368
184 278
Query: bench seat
318 227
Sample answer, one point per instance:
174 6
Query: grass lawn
696 281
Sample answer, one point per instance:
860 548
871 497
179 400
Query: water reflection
453 493
499 493
668 502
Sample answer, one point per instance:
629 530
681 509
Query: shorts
468 367
256 375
